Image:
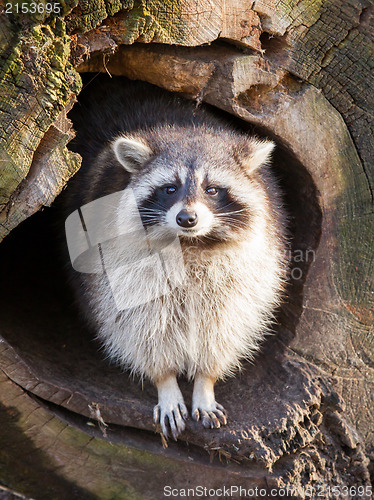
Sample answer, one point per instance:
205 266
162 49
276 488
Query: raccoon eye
212 191
170 189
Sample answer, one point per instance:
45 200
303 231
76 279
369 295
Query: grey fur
222 310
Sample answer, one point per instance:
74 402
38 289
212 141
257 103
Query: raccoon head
201 187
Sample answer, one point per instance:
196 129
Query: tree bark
298 72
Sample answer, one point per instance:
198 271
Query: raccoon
202 195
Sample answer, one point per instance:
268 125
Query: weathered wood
302 66
51 168
47 455
182 22
37 83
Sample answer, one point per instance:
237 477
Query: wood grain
297 71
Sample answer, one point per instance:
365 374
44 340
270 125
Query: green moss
25 467
91 13
305 10
167 21
114 6
12 66
133 24
145 18
67 6
36 83
353 270
153 20
352 229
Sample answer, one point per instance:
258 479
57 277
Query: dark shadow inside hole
39 321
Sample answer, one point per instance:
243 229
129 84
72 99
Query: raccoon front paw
170 412
204 404
171 417
211 416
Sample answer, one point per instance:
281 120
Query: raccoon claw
171 420
211 418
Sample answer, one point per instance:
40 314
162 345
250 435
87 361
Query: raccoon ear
131 153
257 153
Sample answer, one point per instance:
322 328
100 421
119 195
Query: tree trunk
301 415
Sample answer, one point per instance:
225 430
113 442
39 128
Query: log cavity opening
41 324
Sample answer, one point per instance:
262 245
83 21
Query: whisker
155 216
221 212
147 209
154 203
228 205
226 214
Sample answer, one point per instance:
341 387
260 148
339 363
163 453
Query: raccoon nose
186 219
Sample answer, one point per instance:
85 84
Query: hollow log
301 414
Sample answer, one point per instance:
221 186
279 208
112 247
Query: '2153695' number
33 8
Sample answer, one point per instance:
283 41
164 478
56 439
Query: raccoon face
196 190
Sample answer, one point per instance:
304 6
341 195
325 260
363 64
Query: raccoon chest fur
210 322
